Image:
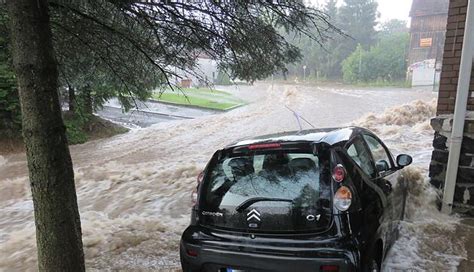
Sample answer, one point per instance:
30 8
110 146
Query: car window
300 178
359 153
379 153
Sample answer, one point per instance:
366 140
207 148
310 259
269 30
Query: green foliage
75 130
392 27
126 49
77 125
357 19
384 62
223 78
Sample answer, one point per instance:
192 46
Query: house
427 35
204 73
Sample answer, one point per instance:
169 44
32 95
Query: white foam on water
429 240
134 189
3 161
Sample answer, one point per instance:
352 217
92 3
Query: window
379 153
272 175
291 186
359 153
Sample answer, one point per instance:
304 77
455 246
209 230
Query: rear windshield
270 191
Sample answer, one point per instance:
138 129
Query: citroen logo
253 214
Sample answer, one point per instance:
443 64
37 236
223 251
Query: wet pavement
467 229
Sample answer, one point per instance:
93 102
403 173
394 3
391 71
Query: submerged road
145 114
134 189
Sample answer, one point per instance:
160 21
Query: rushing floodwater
134 189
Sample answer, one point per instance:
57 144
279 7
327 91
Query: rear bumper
219 255
217 260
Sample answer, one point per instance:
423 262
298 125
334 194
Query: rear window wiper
247 203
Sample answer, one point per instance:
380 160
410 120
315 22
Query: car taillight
194 194
343 198
192 252
339 173
332 268
264 146
200 177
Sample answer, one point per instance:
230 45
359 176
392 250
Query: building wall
442 124
452 59
204 73
427 27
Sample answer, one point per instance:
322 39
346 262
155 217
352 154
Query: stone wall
464 192
442 124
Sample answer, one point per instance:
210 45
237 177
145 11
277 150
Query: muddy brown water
134 189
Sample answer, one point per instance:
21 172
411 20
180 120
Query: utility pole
360 61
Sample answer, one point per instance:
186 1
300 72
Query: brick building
443 123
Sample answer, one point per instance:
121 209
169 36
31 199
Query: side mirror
382 166
404 160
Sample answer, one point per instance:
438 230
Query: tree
330 66
58 228
357 18
241 35
386 61
151 40
318 56
393 26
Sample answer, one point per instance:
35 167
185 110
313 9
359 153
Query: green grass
199 97
203 91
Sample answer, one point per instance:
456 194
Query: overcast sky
389 9
394 9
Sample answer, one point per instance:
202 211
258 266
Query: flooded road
145 114
134 189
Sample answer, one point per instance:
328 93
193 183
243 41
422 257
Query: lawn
200 97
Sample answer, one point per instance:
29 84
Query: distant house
427 36
204 72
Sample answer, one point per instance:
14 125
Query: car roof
331 136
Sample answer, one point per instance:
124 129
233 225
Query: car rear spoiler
320 146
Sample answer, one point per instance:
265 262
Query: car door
377 214
387 178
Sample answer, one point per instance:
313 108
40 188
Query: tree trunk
58 227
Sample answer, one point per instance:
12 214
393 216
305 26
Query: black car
314 200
